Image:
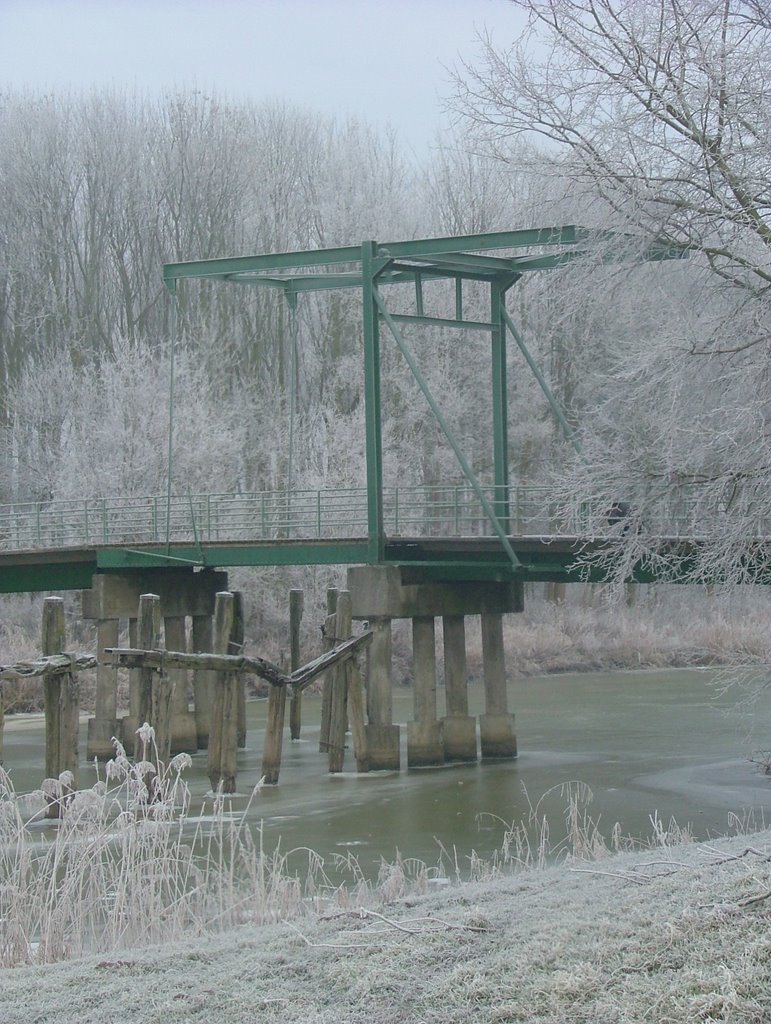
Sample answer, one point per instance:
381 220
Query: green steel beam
439 248
437 321
467 262
39 578
500 422
219 268
402 272
331 552
565 235
265 262
372 410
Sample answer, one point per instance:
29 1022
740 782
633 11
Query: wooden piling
62 709
274 734
326 692
223 735
149 639
236 647
338 714
296 600
356 715
203 680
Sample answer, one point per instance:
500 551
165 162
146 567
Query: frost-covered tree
653 120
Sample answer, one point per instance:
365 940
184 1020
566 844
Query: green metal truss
499 259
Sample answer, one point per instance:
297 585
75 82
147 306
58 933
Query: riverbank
676 934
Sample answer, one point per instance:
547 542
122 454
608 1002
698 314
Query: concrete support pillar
184 737
424 735
382 734
202 679
459 729
104 725
496 727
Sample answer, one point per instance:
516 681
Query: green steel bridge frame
495 550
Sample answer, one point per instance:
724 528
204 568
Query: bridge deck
438 531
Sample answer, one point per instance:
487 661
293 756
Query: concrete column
202 679
382 734
184 736
424 735
459 729
496 727
104 725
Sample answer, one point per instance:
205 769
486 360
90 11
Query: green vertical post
500 406
372 412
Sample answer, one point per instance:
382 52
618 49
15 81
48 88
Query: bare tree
653 120
659 106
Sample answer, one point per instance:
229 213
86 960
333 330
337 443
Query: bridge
420 552
437 532
487 529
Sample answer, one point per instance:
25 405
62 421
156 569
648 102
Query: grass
131 863
111 918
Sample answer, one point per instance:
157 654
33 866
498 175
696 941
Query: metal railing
325 514
439 511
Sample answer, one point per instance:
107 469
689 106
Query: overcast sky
380 59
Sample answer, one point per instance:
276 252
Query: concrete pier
424 734
459 729
382 735
496 726
383 593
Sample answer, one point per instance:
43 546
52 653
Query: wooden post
149 639
356 713
130 722
237 647
326 692
339 678
296 600
183 735
274 734
203 680
104 725
62 708
223 736
161 717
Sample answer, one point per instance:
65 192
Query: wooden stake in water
149 639
223 737
62 708
326 693
338 713
295 619
274 734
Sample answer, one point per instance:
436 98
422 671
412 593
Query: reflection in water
665 744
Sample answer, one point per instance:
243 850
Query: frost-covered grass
165 914
129 863
672 935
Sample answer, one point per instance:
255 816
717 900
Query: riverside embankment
675 935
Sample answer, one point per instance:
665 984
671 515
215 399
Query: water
667 743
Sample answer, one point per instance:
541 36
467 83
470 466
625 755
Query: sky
382 60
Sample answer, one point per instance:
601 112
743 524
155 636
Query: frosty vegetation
650 119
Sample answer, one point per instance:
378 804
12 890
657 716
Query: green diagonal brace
553 403
464 465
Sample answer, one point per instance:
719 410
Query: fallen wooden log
54 664
129 657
